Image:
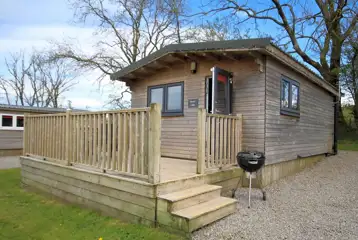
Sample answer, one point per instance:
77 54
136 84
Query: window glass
6 121
294 94
156 95
19 121
174 101
284 94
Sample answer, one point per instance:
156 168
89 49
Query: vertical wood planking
208 142
90 140
120 143
85 142
212 152
109 141
229 139
135 147
104 140
225 161
125 142
95 140
130 144
217 141
201 141
141 142
221 146
114 140
68 143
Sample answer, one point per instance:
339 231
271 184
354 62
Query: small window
6 120
290 98
11 122
19 121
174 102
157 95
170 96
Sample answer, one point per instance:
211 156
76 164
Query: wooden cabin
288 111
12 126
170 160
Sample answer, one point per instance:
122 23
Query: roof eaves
314 77
244 44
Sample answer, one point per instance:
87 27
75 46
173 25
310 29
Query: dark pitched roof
200 46
262 45
31 109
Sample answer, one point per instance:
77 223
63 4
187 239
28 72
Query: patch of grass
350 145
25 215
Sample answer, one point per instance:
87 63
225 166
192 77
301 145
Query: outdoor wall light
193 66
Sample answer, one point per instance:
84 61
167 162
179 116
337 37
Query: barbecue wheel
264 195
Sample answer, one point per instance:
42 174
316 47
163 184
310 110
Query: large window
11 121
290 97
170 96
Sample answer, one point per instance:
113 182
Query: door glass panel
220 98
174 98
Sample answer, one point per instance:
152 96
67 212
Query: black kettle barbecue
251 162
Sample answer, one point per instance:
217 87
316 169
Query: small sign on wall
193 103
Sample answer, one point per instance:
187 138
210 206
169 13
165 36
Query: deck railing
219 140
123 141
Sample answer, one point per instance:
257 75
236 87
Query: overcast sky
28 24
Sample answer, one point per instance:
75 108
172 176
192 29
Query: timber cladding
129 200
179 136
311 133
11 139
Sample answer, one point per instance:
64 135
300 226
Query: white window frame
14 118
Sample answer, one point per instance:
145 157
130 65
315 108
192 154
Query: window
290 97
11 122
170 96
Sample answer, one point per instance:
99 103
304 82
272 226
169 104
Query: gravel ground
319 203
9 162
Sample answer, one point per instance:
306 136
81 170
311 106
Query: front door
219 92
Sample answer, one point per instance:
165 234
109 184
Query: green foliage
25 215
348 145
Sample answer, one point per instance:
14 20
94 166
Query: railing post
154 143
68 138
200 164
239 133
25 140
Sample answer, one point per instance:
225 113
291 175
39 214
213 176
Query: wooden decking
174 169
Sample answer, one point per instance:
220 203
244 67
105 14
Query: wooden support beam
232 56
193 57
211 56
178 57
162 64
258 60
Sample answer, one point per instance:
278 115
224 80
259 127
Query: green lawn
25 215
351 145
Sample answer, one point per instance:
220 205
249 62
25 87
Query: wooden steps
190 209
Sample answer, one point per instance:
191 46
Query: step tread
203 208
187 193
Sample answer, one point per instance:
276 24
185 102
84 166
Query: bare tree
217 29
36 80
129 30
349 72
315 31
